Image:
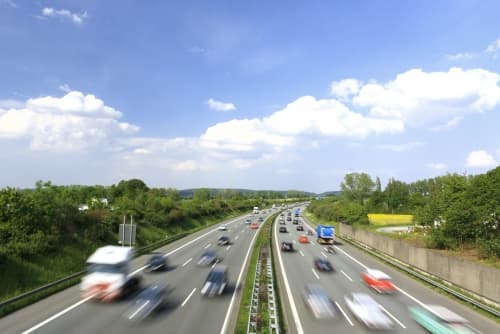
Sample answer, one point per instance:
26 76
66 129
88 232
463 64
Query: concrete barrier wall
477 278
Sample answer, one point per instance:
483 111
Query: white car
368 311
223 228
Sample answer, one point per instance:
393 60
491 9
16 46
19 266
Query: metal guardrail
423 277
254 305
271 300
140 251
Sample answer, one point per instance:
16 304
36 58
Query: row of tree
36 221
458 210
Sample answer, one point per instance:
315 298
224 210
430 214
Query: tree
396 194
357 186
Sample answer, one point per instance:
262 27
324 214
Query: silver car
318 301
368 311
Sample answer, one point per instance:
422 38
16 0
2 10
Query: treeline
39 220
458 210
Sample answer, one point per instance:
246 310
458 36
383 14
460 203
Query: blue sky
256 94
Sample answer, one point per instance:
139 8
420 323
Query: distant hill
330 193
188 193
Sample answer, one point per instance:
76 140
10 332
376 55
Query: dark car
300 228
261 219
287 246
150 299
155 263
216 282
208 258
288 219
223 240
295 221
322 264
283 229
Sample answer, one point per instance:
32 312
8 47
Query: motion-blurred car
282 222
318 301
254 226
223 228
303 239
295 221
248 221
156 262
300 228
223 240
208 257
283 229
438 319
147 301
287 246
323 264
261 219
288 219
378 281
216 281
368 311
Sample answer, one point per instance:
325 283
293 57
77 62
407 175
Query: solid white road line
55 316
393 317
301 253
350 279
208 245
315 273
238 282
185 263
345 315
295 314
187 298
138 310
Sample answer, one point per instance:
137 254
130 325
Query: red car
254 226
378 281
303 239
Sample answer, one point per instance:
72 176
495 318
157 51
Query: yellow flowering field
388 219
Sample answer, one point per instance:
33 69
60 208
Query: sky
270 95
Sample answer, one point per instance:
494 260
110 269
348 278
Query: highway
186 310
295 270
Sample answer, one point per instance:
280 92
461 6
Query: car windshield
106 268
208 253
216 276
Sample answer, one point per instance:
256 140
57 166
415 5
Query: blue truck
325 234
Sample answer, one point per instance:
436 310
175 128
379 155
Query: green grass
264 239
23 275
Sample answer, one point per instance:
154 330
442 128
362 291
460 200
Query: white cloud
65 88
419 98
439 166
76 18
494 47
188 166
461 56
142 151
480 158
11 3
220 106
344 89
72 122
401 147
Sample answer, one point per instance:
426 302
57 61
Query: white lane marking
295 314
301 253
393 317
187 298
324 255
185 263
366 267
213 265
227 248
138 310
315 273
238 282
345 315
236 237
208 245
55 316
350 279
349 256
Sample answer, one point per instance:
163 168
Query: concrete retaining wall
477 278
